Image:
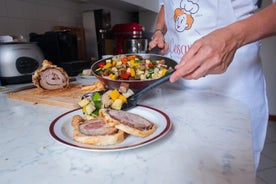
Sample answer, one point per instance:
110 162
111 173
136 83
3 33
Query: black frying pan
135 85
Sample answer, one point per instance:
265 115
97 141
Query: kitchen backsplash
19 17
22 17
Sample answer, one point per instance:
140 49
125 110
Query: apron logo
183 16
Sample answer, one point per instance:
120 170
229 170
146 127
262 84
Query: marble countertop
209 143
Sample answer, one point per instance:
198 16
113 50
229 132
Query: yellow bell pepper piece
132 72
123 98
114 62
112 76
107 65
133 63
84 110
114 94
164 71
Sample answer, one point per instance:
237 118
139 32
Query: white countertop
209 143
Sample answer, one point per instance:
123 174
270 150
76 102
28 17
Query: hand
211 54
158 41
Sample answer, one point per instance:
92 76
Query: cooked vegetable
114 94
96 97
89 108
84 102
91 105
132 68
110 99
117 104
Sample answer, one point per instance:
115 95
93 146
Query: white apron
187 21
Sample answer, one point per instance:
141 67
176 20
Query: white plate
87 76
62 131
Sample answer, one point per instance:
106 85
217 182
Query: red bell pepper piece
101 64
125 75
106 73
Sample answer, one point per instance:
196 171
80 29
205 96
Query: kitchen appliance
128 38
18 61
135 45
60 47
57 46
98 34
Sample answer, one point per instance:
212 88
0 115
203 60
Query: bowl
135 85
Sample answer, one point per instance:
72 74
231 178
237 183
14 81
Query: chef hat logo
183 16
189 6
189 18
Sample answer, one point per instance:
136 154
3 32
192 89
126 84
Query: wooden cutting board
67 98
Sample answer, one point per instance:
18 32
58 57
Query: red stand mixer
124 34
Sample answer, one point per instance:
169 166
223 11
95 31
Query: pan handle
151 86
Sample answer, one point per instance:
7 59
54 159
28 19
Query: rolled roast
95 132
50 77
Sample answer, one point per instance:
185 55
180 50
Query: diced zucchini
84 102
117 104
90 108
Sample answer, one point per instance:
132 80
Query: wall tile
3 8
16 26
25 16
4 28
15 8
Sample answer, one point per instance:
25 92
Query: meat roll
50 77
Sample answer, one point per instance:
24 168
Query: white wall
151 5
19 17
117 16
22 17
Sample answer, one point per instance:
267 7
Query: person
219 37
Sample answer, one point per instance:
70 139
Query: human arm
158 39
213 53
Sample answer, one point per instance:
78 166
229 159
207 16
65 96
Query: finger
161 43
205 67
196 74
152 44
189 56
175 76
208 67
184 70
165 49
